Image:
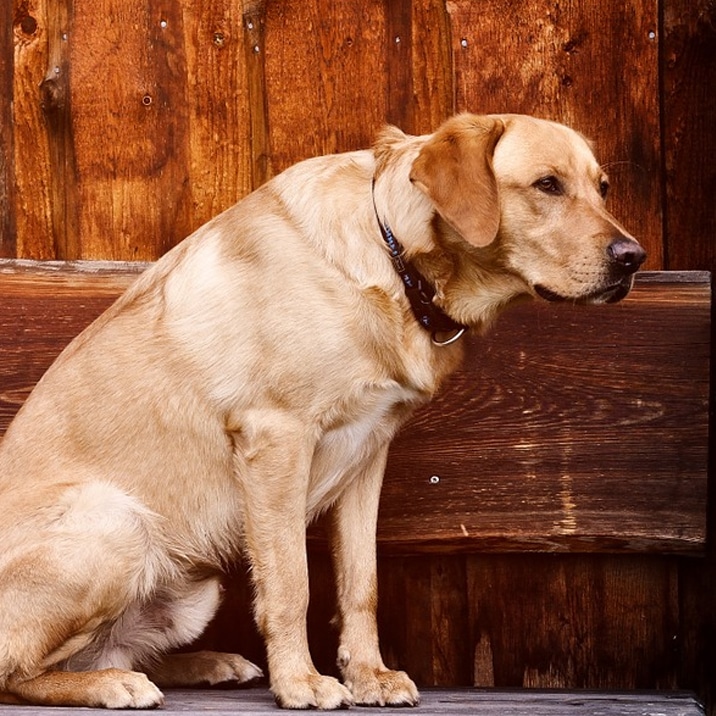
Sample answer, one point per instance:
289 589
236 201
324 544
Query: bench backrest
567 429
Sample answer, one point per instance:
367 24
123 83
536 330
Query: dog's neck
471 289
420 293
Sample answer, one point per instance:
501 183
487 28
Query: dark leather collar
418 290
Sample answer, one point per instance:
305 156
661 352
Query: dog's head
533 191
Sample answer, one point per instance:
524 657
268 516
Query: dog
252 379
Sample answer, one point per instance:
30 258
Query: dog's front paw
311 691
382 687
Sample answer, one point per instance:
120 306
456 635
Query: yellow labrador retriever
252 379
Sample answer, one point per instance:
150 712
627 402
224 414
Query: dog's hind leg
186 614
203 668
69 569
108 688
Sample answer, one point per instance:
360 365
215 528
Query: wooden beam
567 429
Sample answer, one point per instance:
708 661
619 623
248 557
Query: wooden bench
569 429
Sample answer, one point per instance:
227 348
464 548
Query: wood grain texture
129 88
432 60
44 306
567 428
258 701
8 236
30 150
325 77
56 105
595 623
219 106
254 23
591 65
689 101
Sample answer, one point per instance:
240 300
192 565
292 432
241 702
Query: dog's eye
604 188
549 185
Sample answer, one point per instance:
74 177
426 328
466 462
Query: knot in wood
52 96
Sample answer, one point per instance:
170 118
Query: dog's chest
351 445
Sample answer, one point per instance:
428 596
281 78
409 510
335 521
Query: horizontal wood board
435 702
568 428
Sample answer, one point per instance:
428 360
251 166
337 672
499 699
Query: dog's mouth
613 293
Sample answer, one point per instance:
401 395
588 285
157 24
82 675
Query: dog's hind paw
203 668
108 688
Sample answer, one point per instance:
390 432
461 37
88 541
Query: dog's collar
444 330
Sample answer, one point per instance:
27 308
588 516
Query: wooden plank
399 38
606 622
31 155
219 106
689 103
574 63
130 116
566 429
426 601
56 103
432 76
254 22
435 702
325 77
44 306
8 26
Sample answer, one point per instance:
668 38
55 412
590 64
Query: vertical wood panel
400 97
690 132
254 21
129 93
591 65
423 618
33 218
324 77
600 622
56 103
219 170
432 76
8 25
689 136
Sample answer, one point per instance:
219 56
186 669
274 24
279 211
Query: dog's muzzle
624 257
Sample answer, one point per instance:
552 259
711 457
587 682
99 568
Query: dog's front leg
354 552
273 457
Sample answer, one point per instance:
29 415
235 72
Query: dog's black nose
626 254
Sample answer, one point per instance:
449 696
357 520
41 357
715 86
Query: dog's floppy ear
454 168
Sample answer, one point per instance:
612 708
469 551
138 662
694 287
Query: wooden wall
126 124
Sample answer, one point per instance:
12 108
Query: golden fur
252 379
